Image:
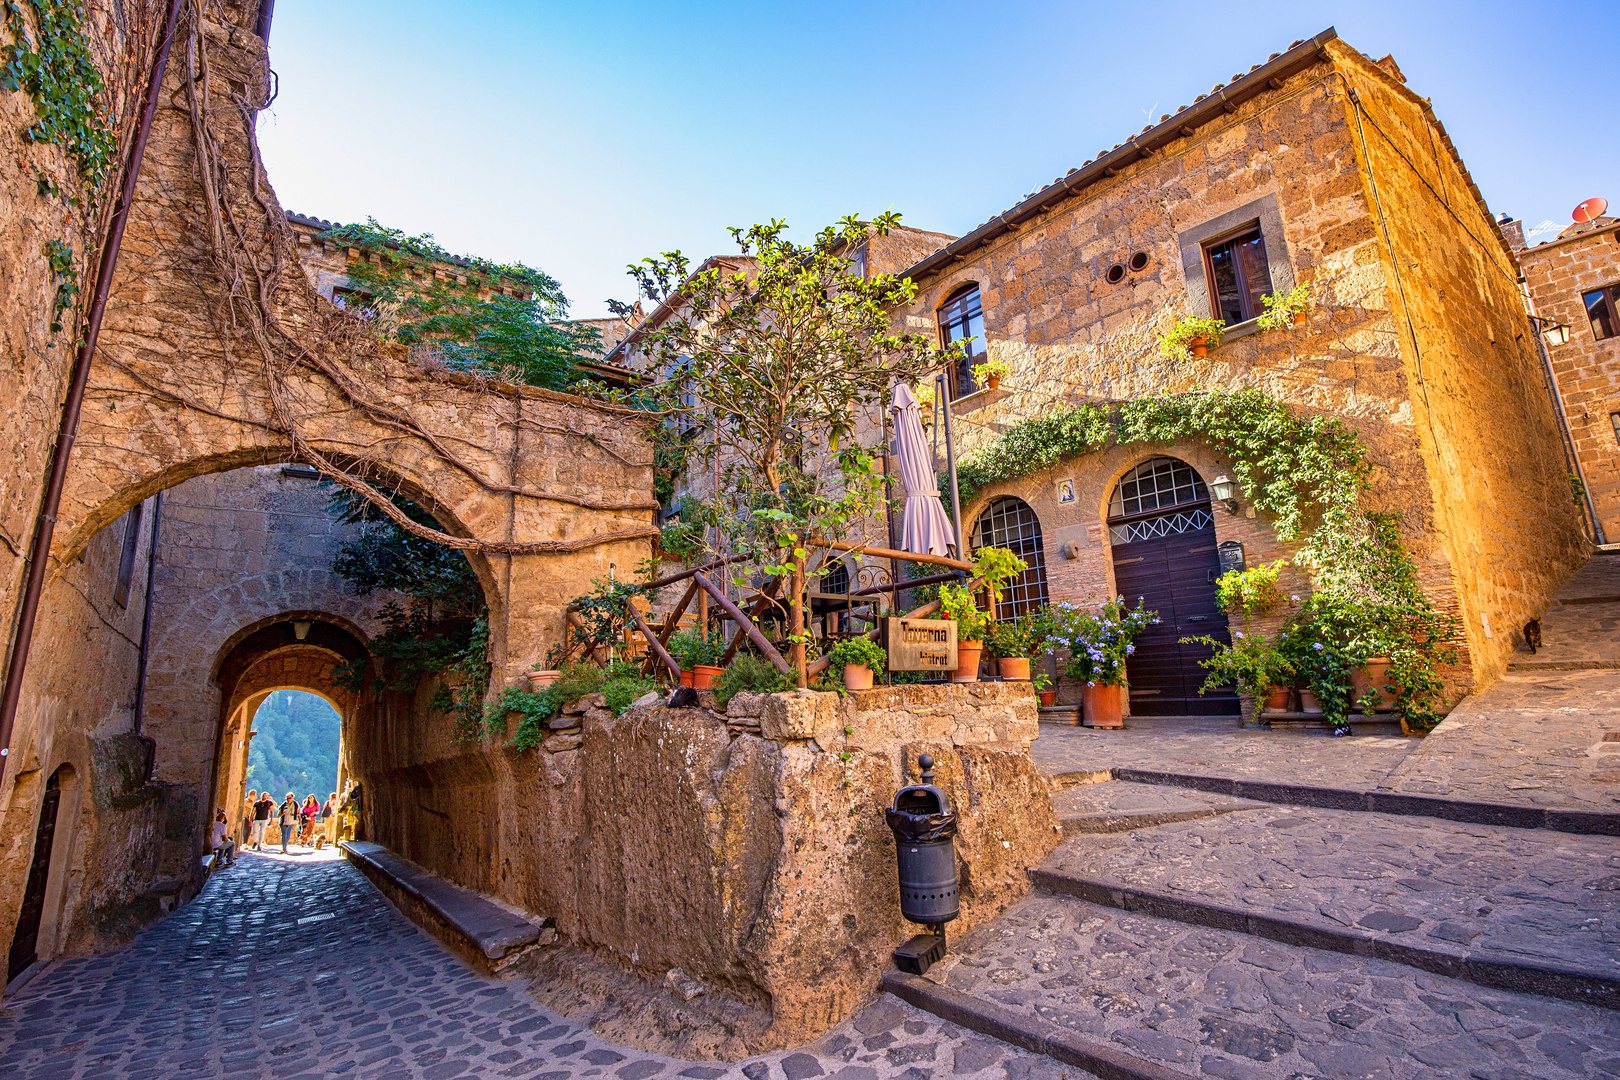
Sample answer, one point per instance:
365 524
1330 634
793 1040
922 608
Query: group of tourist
312 823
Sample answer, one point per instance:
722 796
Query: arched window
1010 523
961 318
1145 499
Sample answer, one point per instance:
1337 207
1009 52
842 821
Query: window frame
126 557
1245 291
956 377
1610 296
1030 590
1191 242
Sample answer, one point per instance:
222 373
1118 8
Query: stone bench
480 931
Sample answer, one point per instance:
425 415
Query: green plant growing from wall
66 275
52 64
499 320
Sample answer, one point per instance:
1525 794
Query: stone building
1318 166
1574 286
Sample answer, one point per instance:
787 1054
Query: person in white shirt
224 846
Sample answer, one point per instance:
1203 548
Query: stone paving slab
1221 749
232 985
1119 806
1582 627
1197 1001
1548 739
1458 898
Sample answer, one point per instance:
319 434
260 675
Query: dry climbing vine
252 282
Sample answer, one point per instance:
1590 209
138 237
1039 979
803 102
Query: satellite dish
1590 210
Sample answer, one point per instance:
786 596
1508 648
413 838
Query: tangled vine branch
251 285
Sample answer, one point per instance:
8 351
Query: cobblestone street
283 970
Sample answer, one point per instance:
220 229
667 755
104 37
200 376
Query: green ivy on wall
54 68
66 275
1307 473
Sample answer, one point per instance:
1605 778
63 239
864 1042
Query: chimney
1513 230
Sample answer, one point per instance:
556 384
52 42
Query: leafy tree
502 320
296 748
775 355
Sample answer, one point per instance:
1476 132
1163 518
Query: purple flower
1130 650
1317 646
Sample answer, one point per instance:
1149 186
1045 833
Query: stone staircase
1181 933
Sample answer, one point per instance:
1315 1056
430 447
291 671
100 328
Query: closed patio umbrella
925 530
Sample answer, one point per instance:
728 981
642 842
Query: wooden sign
1231 556
922 644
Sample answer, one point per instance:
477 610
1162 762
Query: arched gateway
1163 536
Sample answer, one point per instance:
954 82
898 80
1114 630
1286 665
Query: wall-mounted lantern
1223 487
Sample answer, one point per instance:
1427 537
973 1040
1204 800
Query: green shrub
750 674
689 649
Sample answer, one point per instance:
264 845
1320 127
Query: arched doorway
1163 537
1008 522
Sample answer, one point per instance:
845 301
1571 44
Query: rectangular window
961 318
126 561
1239 275
1603 309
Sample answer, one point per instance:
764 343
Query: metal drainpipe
1557 396
45 526
146 632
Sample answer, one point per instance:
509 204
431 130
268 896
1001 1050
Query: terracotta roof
1223 99
322 225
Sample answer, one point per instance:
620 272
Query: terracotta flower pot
994 381
539 680
1276 700
857 677
1299 318
1013 667
705 675
1370 678
967 661
1308 703
687 678
1199 346
1103 706
1048 698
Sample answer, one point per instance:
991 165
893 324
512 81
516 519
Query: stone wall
1588 370
746 848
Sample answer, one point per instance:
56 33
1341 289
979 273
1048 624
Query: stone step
1130 995
1506 908
1586 822
1119 806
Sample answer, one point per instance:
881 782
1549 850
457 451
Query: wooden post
670 624
703 615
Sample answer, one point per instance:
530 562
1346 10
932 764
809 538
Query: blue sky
580 137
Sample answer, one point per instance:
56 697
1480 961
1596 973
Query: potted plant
1098 648
957 603
1012 642
1255 665
1191 335
1043 689
696 657
1285 309
991 372
540 678
859 658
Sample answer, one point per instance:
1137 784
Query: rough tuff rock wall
1505 525
747 849
1588 370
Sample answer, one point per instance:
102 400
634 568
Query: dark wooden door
1175 575
26 937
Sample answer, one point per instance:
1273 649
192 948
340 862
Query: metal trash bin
924 827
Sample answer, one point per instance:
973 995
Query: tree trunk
796 657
